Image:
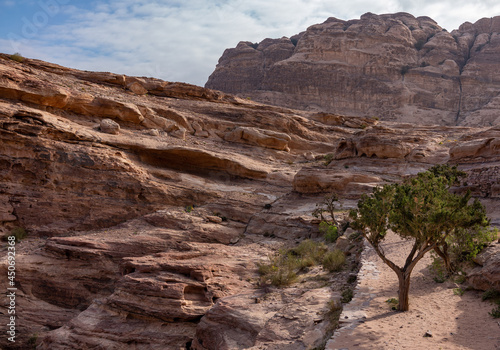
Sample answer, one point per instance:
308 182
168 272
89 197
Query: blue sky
182 40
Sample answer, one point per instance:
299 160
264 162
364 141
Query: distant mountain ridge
394 66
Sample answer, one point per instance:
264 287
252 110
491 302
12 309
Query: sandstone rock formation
487 275
394 67
144 240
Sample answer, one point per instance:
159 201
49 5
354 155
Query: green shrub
17 57
495 313
284 266
334 260
189 208
464 245
347 295
32 341
327 158
438 270
491 294
18 232
310 250
329 231
280 271
393 303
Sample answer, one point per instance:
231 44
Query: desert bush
327 158
334 260
347 295
495 313
491 294
280 271
18 232
284 267
17 57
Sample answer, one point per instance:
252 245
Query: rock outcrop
394 67
148 234
487 275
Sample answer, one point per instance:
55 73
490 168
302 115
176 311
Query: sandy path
456 322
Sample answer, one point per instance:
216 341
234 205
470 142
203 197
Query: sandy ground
456 322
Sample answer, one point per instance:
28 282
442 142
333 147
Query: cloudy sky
182 40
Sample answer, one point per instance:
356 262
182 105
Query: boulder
109 126
259 137
487 275
345 184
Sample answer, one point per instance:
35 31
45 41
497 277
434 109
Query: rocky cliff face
395 67
149 206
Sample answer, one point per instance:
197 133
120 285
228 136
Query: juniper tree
422 210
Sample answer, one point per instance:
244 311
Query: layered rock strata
141 239
394 67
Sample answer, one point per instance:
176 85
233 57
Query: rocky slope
395 67
149 205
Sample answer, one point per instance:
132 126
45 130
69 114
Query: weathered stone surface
346 184
259 137
392 66
487 276
109 126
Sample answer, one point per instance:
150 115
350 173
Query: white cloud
182 40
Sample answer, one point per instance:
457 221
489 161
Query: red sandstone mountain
395 67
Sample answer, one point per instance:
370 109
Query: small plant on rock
495 313
347 295
17 57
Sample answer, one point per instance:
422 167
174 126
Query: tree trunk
404 290
443 254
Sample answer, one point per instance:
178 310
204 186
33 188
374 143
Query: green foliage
458 291
17 57
347 296
438 270
465 244
327 158
393 303
18 232
329 231
352 279
491 294
310 250
334 260
189 208
421 209
495 313
32 341
283 267
280 271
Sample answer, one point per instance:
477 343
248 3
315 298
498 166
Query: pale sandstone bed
456 322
